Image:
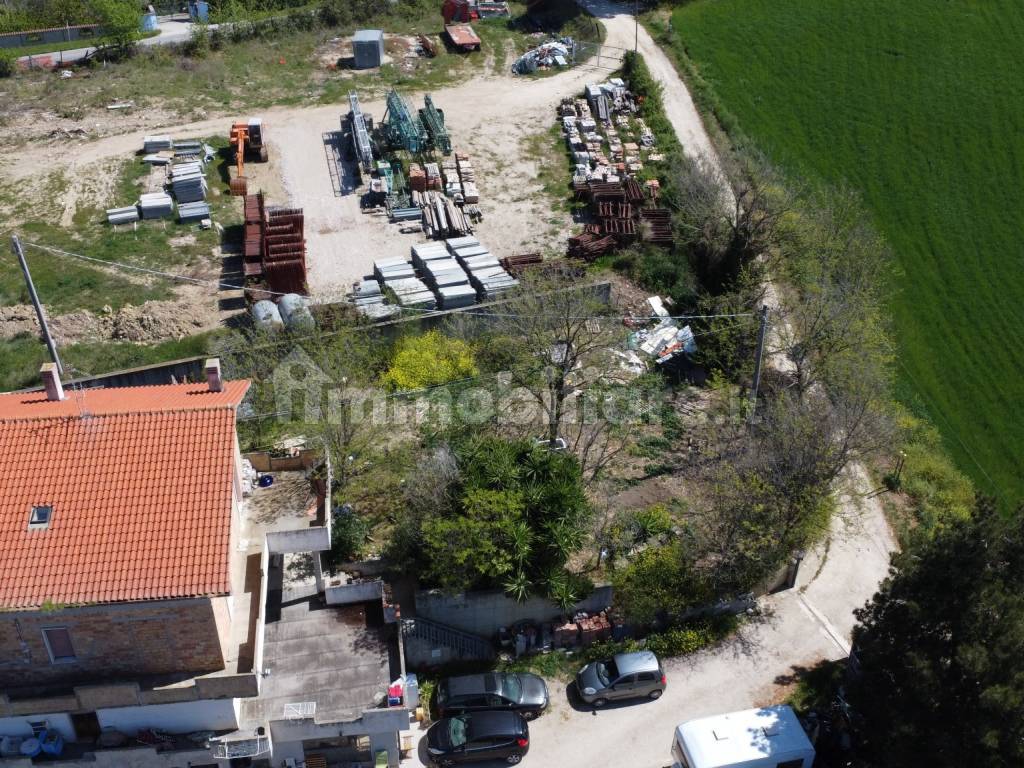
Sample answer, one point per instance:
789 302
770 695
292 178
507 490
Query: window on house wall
58 643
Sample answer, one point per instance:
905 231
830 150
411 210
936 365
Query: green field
917 104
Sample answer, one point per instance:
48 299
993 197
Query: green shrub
940 492
7 64
198 45
348 535
653 521
429 360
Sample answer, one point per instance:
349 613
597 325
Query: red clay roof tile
139 479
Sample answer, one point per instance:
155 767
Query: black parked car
523 693
489 735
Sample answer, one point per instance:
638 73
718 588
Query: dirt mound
151 322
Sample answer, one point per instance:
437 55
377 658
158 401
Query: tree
941 678
660 582
564 335
475 545
726 227
507 513
120 21
835 263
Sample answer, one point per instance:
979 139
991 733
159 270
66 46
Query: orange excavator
246 138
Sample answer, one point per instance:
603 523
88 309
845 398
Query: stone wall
115 641
483 613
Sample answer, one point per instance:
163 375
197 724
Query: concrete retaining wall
483 613
361 592
218 715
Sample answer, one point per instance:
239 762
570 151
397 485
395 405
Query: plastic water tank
295 312
266 315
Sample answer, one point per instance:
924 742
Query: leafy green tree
659 581
476 545
120 20
348 535
429 360
509 514
941 650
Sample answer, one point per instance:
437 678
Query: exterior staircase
463 645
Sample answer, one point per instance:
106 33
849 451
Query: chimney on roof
213 379
51 380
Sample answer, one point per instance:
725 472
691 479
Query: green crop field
917 104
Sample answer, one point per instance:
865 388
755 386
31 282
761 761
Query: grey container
266 315
122 215
368 48
295 312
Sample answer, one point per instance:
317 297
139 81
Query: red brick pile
275 245
584 629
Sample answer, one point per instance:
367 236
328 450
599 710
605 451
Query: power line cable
482 313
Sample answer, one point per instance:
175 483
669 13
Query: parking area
797 629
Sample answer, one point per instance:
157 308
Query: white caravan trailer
755 738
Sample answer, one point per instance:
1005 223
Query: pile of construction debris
665 340
450 275
560 52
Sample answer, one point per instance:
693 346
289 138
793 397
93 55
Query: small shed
771 737
368 48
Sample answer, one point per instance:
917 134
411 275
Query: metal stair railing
466 644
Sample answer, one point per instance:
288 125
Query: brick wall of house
112 642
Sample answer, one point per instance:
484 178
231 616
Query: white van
771 737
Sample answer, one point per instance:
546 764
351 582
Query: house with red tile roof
143 588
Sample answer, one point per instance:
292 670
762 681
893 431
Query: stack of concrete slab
485 272
152 144
122 215
188 182
197 211
456 296
366 292
369 300
411 292
395 268
426 252
156 205
444 272
491 281
188 148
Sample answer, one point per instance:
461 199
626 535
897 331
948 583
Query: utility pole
40 313
758 360
636 26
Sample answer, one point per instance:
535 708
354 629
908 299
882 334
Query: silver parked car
624 676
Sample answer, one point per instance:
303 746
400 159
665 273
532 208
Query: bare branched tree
564 333
833 262
726 227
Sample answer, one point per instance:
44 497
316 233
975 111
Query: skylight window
39 517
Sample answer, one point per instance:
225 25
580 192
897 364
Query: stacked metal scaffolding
433 119
360 136
402 126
